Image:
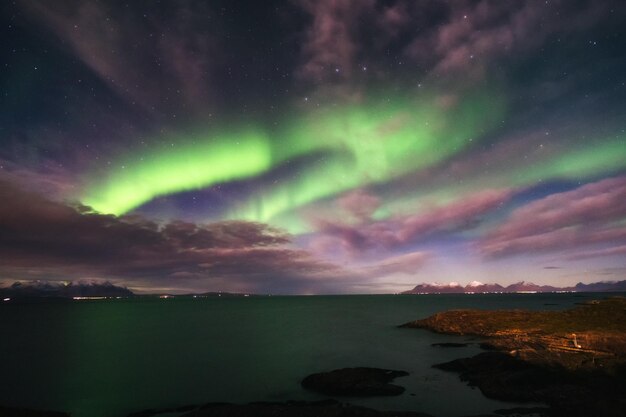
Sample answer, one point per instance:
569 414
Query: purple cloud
43 239
175 50
617 250
478 33
330 48
442 38
587 215
407 264
402 230
458 215
359 204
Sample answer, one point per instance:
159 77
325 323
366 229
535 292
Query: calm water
108 358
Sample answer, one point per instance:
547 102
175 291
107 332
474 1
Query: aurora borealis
313 147
358 145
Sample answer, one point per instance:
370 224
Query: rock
582 393
357 382
500 376
590 336
487 346
573 360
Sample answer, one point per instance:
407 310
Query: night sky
303 146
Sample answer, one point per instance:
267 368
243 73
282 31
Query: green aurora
338 149
354 146
164 171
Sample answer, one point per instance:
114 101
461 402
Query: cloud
553 241
343 44
398 231
590 214
331 47
443 38
359 204
43 239
407 264
160 61
477 33
613 251
49 179
458 215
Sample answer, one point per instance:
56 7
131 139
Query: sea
108 358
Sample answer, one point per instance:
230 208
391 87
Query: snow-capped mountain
518 287
436 287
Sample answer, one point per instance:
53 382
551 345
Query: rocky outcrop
569 393
355 382
589 336
573 360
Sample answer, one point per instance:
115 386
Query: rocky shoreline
573 360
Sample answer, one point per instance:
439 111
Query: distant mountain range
67 289
518 287
88 289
